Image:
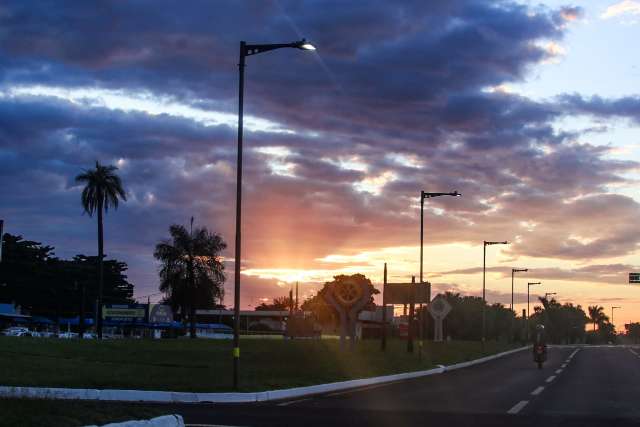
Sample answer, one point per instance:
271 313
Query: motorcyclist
539 340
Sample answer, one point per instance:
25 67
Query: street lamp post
528 292
513 271
426 195
484 272
612 308
246 50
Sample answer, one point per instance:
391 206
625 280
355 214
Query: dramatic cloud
398 98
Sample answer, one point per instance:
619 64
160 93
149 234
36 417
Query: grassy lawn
205 365
64 413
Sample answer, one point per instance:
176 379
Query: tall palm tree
191 272
102 190
596 315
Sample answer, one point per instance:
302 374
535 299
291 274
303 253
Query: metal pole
484 268
512 274
411 314
236 296
421 231
421 317
1 237
383 342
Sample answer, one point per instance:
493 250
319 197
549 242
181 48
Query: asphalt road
577 387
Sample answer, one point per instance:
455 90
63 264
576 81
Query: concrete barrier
262 396
164 421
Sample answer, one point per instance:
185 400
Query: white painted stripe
356 390
558 371
574 352
537 391
291 402
633 351
564 365
551 378
518 407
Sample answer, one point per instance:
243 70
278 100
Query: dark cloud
389 79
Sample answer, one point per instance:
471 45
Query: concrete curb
163 421
262 396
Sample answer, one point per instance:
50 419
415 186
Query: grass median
205 365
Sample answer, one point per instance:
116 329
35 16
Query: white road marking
633 351
291 402
558 371
564 365
551 378
574 352
518 407
568 360
537 391
356 390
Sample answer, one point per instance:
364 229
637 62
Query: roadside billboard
159 313
124 313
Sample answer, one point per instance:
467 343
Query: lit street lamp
484 271
247 50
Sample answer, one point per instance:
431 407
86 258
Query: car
68 335
17 331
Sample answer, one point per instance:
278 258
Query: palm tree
102 189
192 273
596 315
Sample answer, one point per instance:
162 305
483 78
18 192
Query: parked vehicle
17 331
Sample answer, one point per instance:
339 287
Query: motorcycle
539 355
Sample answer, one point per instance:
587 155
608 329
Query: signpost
634 277
407 294
439 308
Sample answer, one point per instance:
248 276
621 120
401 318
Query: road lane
599 381
492 387
595 387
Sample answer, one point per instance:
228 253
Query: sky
530 110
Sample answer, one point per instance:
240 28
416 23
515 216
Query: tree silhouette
597 316
192 273
102 189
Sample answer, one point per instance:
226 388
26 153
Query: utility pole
383 341
410 331
297 306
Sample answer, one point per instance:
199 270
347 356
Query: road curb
261 396
163 421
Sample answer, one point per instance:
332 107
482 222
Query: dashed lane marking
537 391
291 402
551 378
356 390
558 371
564 365
518 407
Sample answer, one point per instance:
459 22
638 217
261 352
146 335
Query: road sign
439 307
400 293
634 277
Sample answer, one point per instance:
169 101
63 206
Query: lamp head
305 45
